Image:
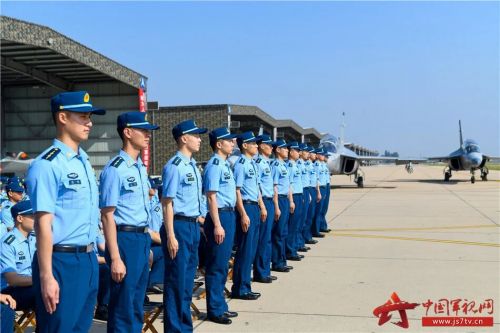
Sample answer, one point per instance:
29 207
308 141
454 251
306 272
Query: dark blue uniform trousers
262 262
104 284
77 275
158 268
246 243
217 262
303 219
7 319
179 276
324 210
280 231
293 225
317 221
126 303
307 233
24 296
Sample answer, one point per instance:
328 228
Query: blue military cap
304 147
294 145
264 138
246 138
187 127
280 143
134 119
219 134
15 184
74 101
21 208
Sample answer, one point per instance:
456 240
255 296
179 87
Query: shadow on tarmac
340 187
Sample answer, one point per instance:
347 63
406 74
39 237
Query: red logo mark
394 304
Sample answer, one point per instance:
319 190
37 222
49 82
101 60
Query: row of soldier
266 210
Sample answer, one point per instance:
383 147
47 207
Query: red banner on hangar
142 107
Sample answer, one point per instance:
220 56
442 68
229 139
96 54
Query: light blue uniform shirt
3 229
301 164
313 177
247 178
284 177
327 173
268 176
218 177
296 176
156 217
63 183
182 183
6 214
320 171
124 184
16 254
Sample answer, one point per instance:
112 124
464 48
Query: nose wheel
359 178
472 177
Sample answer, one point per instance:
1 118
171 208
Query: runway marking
448 241
422 228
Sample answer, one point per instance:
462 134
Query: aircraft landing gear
484 174
447 174
359 178
472 177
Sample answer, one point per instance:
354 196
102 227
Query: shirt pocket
283 173
188 184
131 191
250 174
75 193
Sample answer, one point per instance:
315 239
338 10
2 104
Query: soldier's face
251 147
193 142
282 152
138 137
312 157
304 154
266 149
28 222
294 154
77 124
16 196
227 146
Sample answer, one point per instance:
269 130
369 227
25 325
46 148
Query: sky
404 73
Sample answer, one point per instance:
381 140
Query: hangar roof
32 53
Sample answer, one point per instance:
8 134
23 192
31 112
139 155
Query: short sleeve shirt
218 177
247 178
16 254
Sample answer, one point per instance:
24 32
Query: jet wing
18 167
494 159
400 161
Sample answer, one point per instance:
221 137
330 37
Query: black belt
226 209
132 228
297 194
324 186
250 202
73 249
185 218
283 195
267 198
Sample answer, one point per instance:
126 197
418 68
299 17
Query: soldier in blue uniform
268 186
180 234
285 207
320 171
315 197
298 199
157 271
249 217
326 174
63 191
302 164
17 249
15 192
124 203
220 224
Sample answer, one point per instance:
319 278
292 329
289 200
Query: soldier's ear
127 132
62 117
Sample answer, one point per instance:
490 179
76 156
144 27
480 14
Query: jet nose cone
476 159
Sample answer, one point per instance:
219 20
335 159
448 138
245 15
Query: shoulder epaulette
258 160
176 161
242 161
51 154
290 164
216 161
276 163
117 161
9 239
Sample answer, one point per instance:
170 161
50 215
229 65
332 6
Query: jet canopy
329 143
471 146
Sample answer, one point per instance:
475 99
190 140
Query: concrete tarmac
411 234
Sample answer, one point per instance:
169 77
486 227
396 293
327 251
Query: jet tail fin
460 130
342 128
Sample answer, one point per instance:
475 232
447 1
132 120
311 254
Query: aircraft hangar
37 63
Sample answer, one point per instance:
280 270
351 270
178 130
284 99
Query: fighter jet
467 157
344 161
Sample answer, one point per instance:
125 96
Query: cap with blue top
187 127
294 145
304 147
21 208
15 185
74 101
134 119
246 137
221 133
264 138
280 143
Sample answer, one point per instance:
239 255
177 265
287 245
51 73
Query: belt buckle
89 248
146 230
